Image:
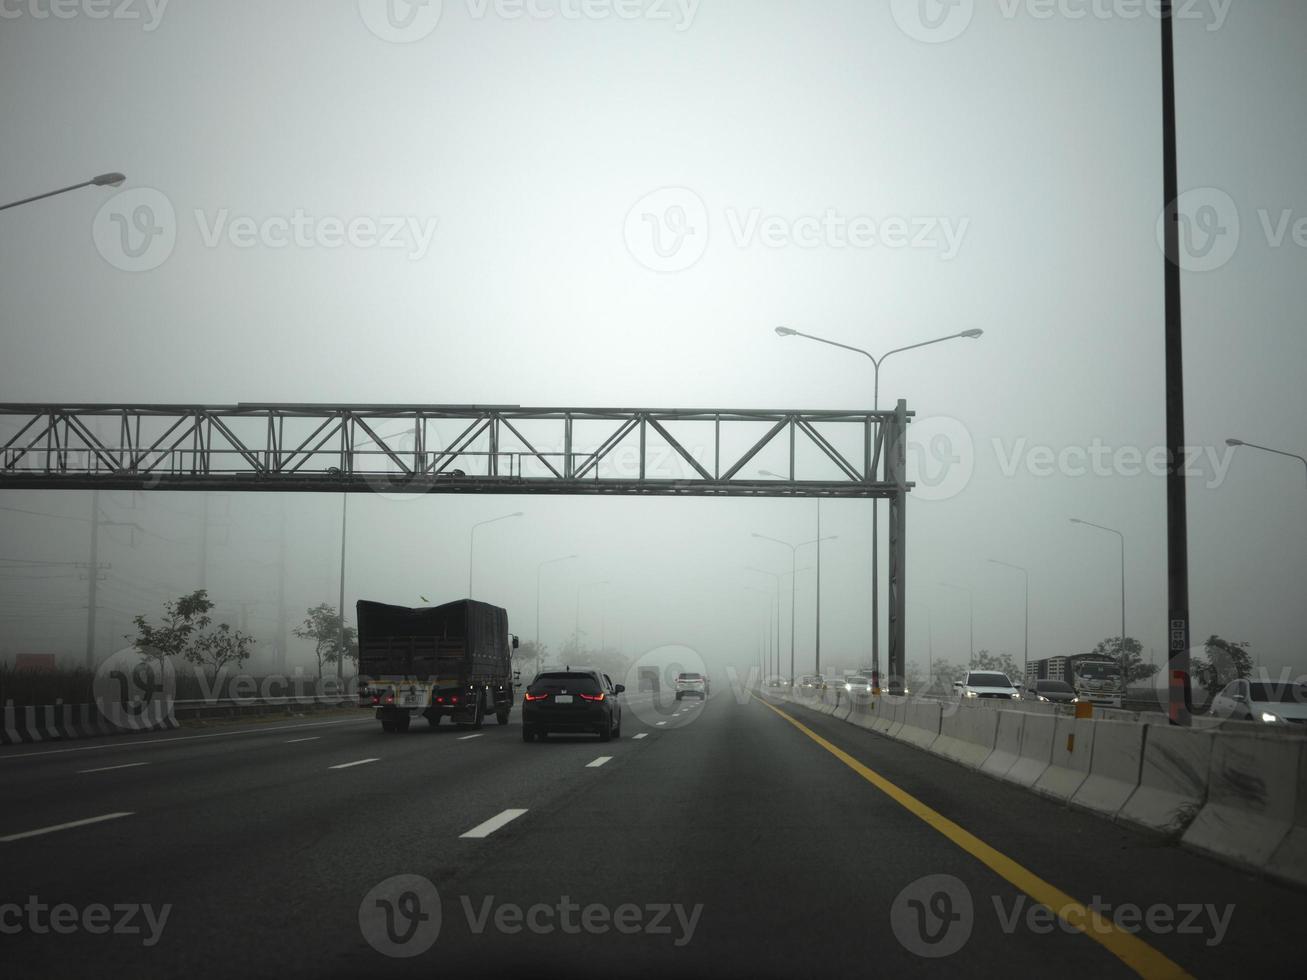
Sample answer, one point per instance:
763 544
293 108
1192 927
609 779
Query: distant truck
450 661
1095 677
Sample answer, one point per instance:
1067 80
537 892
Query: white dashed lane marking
464 738
294 740
599 762
641 735
126 765
350 765
493 824
62 826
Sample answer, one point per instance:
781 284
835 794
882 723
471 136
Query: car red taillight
593 697
536 697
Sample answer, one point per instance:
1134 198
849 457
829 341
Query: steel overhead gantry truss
394 449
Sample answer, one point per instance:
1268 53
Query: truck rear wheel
501 713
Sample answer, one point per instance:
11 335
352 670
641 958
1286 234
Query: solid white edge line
311 738
350 765
125 765
63 826
493 824
599 762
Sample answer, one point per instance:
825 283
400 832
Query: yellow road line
1130 950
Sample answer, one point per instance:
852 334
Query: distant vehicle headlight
1271 718
971 694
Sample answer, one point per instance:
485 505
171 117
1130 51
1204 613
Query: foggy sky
528 142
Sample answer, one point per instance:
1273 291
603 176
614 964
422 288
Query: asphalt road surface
725 840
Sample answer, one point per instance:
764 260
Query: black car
575 700
1059 692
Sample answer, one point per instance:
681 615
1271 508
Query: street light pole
777 646
471 543
1025 657
578 609
794 578
1267 449
340 638
876 362
103 180
1125 673
971 620
539 568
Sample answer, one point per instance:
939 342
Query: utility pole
93 575
279 640
340 639
818 668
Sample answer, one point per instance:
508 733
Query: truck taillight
390 699
375 699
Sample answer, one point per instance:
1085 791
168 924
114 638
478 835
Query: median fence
1235 792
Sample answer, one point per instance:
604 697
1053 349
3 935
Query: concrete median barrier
1113 769
1289 863
1007 744
1172 780
920 723
1252 792
1036 749
28 723
862 712
898 715
966 735
1073 746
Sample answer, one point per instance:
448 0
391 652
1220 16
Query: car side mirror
515 643
957 685
619 688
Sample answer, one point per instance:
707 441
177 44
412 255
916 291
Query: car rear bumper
587 718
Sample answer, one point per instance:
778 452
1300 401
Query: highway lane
793 861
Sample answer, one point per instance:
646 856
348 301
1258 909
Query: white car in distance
986 684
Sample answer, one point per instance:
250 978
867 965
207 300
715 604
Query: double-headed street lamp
1025 574
777 645
471 543
539 569
764 646
1125 674
971 619
103 180
876 362
794 575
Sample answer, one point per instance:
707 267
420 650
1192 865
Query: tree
220 649
1001 662
323 627
1136 669
181 621
946 673
1226 661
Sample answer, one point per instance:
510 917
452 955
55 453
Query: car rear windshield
988 680
1283 693
689 677
574 681
1058 687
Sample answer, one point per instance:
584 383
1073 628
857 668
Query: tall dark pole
1177 529
818 667
93 575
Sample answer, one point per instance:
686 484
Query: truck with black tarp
453 660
